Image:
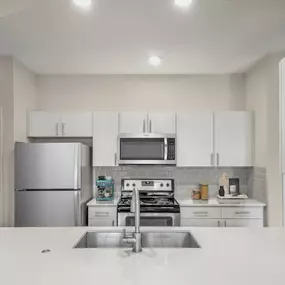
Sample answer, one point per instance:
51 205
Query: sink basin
149 240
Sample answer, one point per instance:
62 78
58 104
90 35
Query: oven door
144 149
150 219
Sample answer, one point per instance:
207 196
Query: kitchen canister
204 188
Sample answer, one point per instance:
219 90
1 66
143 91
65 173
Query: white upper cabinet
77 124
105 134
49 124
234 138
152 122
195 141
133 122
43 124
162 122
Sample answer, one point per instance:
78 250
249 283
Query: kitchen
221 110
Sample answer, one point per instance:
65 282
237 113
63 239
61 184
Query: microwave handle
165 148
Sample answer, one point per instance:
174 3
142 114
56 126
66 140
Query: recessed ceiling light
183 3
85 4
154 60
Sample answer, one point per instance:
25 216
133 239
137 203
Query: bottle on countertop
222 191
224 181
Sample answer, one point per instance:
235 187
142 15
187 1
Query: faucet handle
125 235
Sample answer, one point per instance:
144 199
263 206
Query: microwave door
142 150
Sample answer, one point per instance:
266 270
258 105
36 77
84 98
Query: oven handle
165 148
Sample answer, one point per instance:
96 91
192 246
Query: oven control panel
148 184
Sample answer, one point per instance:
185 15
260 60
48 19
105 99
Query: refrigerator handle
77 207
76 166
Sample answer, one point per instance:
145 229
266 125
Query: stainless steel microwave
147 149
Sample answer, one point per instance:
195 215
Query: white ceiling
116 37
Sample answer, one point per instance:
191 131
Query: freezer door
49 209
47 166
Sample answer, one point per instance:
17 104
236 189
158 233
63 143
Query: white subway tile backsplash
185 178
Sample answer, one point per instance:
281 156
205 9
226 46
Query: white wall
25 98
140 92
7 103
17 95
262 96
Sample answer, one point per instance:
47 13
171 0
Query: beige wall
17 95
262 96
25 98
140 92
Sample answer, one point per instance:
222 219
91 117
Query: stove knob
134 184
128 184
161 185
167 185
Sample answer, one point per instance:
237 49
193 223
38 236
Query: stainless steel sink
149 240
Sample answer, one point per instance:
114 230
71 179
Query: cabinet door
195 139
105 136
233 138
162 122
200 223
253 223
43 124
133 122
77 124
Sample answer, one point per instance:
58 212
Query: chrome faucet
136 238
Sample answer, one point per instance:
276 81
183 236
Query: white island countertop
232 256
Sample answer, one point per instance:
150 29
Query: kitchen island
227 256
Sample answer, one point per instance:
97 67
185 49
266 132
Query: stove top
156 195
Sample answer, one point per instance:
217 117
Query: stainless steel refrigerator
53 183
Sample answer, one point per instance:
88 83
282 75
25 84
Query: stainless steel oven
147 149
158 207
150 219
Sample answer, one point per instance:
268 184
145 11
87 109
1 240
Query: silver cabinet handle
57 129
219 223
113 223
218 159
143 126
243 213
150 126
201 213
115 159
101 214
63 129
225 223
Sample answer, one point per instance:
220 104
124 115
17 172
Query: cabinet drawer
200 223
201 213
101 222
104 212
250 223
242 213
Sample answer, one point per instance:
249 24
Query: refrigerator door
47 166
48 209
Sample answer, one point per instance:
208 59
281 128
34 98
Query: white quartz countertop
94 203
214 202
232 256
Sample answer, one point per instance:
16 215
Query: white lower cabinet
200 222
102 216
224 216
252 223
